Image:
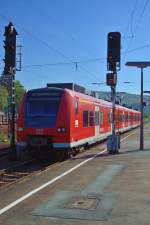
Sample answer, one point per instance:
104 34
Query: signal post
9 72
113 64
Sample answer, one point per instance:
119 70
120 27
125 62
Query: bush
3 138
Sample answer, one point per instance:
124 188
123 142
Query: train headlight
61 129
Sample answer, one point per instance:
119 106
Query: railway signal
9 72
111 79
113 51
113 64
10 49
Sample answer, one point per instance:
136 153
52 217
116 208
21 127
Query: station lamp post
141 65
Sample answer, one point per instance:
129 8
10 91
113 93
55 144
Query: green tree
19 92
3 98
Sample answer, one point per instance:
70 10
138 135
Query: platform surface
93 188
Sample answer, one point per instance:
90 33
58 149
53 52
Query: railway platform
93 188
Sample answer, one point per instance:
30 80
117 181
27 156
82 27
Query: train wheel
61 155
52 155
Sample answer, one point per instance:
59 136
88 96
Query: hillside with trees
127 99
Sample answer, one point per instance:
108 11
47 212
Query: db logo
39 131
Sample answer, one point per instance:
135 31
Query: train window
85 118
123 118
76 107
91 118
101 117
96 118
109 117
129 117
120 118
126 117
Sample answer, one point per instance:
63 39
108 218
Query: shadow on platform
106 154
90 156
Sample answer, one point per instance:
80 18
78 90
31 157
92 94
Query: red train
59 120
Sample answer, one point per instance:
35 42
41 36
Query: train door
129 119
97 129
123 119
109 128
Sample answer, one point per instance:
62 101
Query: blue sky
62 32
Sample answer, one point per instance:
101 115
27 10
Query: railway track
4 152
4 155
19 171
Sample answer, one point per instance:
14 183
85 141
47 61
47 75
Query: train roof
97 100
82 95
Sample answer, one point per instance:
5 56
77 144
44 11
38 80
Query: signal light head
111 79
10 49
113 50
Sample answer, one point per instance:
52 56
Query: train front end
43 120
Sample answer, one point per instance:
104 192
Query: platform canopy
140 64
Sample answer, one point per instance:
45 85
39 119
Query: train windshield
41 110
43 107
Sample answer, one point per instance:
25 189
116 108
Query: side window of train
91 118
109 117
96 118
120 118
101 117
76 107
129 117
85 118
123 118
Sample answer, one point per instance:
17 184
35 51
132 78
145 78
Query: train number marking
39 131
